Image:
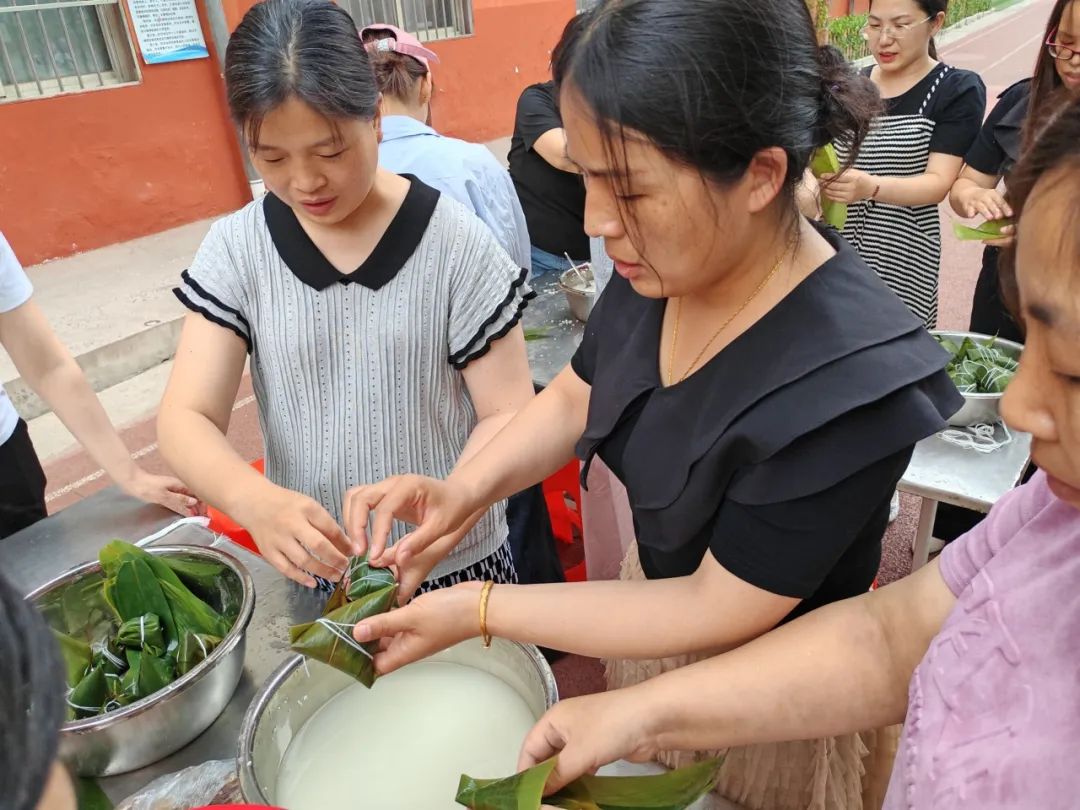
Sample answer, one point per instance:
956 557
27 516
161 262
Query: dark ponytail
305 49
713 82
31 701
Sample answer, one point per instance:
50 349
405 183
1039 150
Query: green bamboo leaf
834 213
522 791
77 657
537 333
825 161
673 790
329 638
191 614
90 796
136 591
194 649
991 229
363 579
144 632
90 694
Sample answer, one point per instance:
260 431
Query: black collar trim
396 245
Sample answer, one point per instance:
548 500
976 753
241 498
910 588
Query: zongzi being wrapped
329 638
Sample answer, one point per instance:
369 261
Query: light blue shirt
15 290
468 172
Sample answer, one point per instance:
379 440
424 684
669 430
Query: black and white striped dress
940 114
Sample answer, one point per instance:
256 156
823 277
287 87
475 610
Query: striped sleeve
212 288
488 294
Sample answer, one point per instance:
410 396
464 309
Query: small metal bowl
299 688
151 729
980 409
580 301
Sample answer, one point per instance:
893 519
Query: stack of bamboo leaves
144 621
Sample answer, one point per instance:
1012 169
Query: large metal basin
980 408
156 726
297 690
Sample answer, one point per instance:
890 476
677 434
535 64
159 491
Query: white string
980 438
103 649
142 631
336 629
202 645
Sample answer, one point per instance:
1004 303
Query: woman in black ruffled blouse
751 381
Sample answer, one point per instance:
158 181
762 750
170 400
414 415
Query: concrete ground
114 309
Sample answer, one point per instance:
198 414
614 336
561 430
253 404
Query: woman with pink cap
468 172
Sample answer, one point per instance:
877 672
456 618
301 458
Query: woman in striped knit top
914 153
381 319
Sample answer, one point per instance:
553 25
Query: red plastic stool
558 488
223 524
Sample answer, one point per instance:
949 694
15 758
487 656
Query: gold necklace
723 326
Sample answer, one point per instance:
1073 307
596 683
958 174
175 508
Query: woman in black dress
997 149
753 384
913 154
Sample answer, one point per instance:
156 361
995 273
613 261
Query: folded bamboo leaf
90 694
673 790
191 614
109 655
201 576
77 657
135 591
991 229
144 633
155 673
363 579
522 791
129 681
194 649
329 638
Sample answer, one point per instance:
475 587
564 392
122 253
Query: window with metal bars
427 19
48 47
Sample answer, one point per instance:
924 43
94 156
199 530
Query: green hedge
846 32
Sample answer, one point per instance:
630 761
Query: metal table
941 472
43 551
550 311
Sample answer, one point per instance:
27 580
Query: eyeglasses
1061 52
874 30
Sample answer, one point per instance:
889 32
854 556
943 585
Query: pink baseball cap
403 42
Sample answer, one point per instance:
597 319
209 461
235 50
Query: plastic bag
214 782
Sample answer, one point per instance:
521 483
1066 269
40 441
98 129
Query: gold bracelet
485 594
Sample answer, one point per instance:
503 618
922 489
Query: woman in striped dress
914 153
381 318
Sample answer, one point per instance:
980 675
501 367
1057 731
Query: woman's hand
430 623
587 733
436 508
848 186
985 202
296 535
163 490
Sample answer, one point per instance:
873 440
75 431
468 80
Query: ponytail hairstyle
304 49
1046 83
931 8
31 701
749 76
397 74
1054 150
